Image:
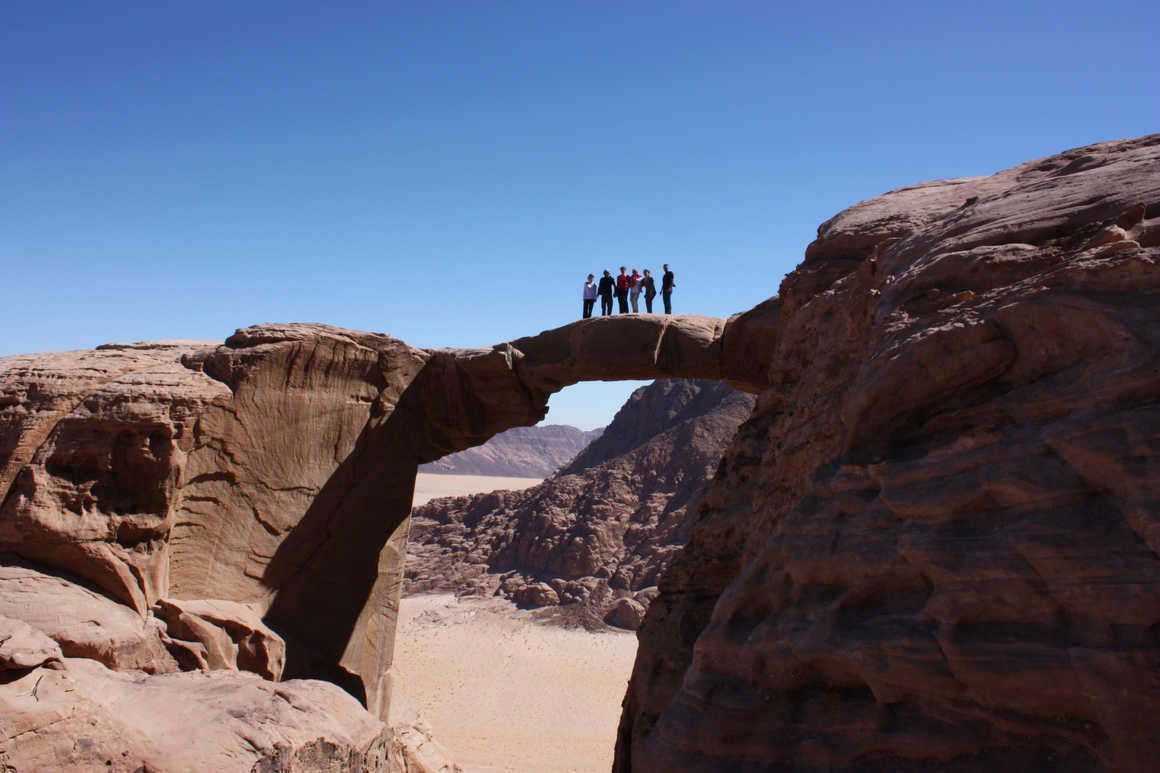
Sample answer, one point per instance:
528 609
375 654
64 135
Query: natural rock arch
278 468
338 573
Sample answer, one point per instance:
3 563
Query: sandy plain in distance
430 486
500 691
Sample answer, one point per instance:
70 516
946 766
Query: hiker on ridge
607 283
589 296
667 285
623 283
650 290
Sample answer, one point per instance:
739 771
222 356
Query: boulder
625 613
81 716
418 752
84 623
538 594
211 633
23 647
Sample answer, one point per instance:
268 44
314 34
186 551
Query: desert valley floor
500 691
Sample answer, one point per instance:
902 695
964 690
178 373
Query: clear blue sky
448 172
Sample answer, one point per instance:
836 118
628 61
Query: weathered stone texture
79 716
98 445
177 470
935 542
84 623
210 634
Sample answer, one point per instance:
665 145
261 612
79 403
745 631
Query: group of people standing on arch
628 287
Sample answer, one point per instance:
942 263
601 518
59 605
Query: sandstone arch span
277 469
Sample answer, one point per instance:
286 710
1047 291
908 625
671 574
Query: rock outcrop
520 452
84 623
179 471
595 536
655 410
76 715
935 544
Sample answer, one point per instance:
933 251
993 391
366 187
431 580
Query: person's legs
588 304
605 305
648 304
667 296
635 298
622 301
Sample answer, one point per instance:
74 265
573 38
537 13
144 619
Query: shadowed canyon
933 542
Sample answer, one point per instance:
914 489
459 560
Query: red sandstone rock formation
595 536
244 507
935 544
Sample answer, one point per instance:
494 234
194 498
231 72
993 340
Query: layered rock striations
595 536
935 543
520 452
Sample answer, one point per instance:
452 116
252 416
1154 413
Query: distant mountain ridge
520 452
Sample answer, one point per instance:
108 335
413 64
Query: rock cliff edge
936 542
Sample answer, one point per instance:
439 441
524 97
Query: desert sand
428 486
500 691
503 693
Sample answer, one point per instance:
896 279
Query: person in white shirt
589 296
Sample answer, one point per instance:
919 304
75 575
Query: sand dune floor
503 693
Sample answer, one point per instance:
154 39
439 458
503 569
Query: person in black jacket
667 285
650 290
607 283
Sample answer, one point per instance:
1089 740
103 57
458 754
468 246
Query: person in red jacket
623 283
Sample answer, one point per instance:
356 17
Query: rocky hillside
596 535
936 544
649 412
520 452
